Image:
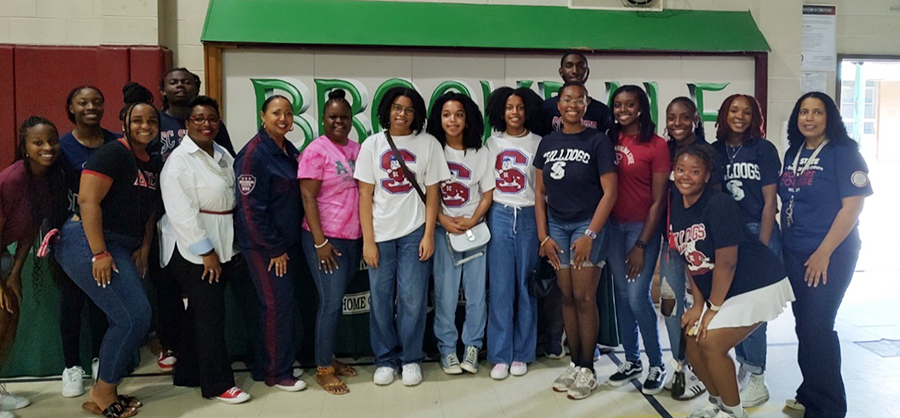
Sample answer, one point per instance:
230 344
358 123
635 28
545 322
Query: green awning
407 24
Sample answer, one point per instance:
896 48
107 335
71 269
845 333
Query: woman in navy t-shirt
750 176
575 192
822 189
736 282
85 108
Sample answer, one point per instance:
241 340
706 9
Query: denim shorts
565 233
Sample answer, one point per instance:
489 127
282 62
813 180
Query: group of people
567 181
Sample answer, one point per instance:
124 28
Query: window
866 112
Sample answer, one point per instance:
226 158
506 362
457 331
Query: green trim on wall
408 24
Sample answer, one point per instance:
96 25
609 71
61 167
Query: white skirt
760 305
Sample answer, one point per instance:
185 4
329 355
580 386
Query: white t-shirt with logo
470 176
397 209
512 160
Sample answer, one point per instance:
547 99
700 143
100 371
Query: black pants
203 357
71 303
169 303
818 348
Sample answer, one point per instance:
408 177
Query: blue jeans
122 300
751 352
818 347
447 278
634 308
401 277
565 234
512 258
672 278
331 288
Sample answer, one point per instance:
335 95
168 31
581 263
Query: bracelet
712 307
100 256
640 245
318 246
544 241
590 234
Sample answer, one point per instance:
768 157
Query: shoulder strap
409 174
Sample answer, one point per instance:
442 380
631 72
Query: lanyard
789 212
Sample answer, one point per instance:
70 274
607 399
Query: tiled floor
869 313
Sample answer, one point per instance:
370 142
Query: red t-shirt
16 207
636 163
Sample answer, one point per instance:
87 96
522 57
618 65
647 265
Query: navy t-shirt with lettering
840 171
597 116
76 155
747 169
712 223
572 165
172 131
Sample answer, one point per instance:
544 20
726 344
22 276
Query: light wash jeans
447 277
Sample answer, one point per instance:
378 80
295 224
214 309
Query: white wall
864 27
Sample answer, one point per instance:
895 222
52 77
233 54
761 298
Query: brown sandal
342 369
334 388
131 401
117 409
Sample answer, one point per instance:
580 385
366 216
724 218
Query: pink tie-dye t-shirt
338 199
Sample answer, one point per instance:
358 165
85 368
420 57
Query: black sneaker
628 371
655 378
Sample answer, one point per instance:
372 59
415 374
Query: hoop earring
292 129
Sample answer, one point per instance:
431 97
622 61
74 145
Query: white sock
716 400
733 410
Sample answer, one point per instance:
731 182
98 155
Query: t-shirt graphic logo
510 178
454 193
246 183
734 187
623 153
558 170
145 179
396 181
686 244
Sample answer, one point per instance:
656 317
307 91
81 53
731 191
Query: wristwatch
714 308
640 244
590 234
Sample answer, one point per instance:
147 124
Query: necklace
218 169
519 136
731 156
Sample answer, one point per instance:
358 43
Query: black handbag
542 279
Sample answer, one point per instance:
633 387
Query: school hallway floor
869 313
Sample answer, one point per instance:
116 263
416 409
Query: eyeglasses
567 101
198 120
395 108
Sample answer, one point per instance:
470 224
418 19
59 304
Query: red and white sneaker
167 360
233 396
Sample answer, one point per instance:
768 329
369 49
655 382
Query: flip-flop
116 409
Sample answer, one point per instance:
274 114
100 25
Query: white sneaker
412 374
725 414
470 361
585 383
298 372
384 375
710 410
5 414
565 380
95 369
73 382
10 402
693 387
756 392
518 368
794 404
743 377
500 371
291 385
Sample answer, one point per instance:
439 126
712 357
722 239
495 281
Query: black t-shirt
713 222
134 194
747 169
597 116
76 155
172 131
572 165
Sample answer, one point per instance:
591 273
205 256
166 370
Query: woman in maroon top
28 189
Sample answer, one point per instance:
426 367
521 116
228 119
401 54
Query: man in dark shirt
574 67
178 87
